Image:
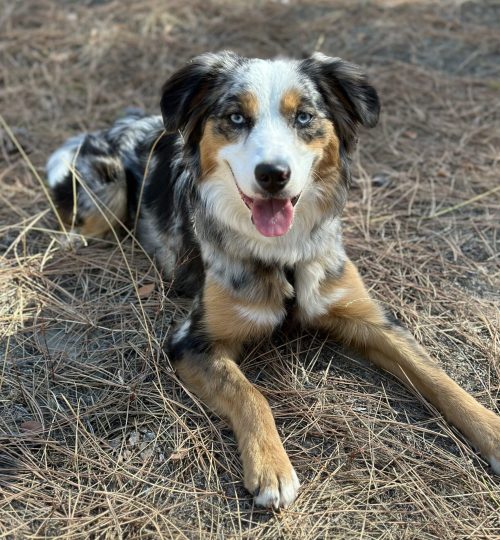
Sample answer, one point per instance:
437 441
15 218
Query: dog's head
266 135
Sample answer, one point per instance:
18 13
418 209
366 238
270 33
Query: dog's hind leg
355 319
203 350
87 182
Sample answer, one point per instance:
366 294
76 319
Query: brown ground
103 440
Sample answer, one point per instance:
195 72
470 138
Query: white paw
279 494
495 464
73 241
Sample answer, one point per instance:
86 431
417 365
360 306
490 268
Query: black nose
272 177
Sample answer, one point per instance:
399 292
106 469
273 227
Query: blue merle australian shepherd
238 190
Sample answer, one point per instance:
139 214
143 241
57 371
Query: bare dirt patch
97 437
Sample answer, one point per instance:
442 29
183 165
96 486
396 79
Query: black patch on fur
263 267
192 344
240 280
291 302
290 275
349 98
189 273
190 95
131 179
63 197
195 342
159 190
95 145
164 198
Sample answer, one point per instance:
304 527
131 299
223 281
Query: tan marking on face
210 145
249 105
327 168
290 102
327 146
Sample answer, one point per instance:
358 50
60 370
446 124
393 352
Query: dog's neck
301 244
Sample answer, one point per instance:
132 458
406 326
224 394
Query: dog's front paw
494 464
487 434
485 437
269 475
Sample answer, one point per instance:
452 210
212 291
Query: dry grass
97 437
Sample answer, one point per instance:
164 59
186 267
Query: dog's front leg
343 307
203 350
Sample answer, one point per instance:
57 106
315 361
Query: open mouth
272 216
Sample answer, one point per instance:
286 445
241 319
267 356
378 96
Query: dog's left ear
350 98
189 93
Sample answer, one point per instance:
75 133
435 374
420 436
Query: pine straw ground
98 438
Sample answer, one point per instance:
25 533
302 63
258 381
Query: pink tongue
272 217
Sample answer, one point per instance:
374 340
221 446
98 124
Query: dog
237 189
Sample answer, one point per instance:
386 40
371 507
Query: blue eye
237 119
303 118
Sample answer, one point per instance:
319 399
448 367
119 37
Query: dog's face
265 135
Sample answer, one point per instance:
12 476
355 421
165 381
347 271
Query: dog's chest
294 278
287 290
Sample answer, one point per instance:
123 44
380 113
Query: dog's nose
272 177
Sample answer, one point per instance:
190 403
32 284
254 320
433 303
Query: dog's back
91 181
129 176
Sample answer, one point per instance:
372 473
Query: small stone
146 290
133 439
32 426
147 454
380 180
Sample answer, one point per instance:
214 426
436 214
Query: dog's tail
88 180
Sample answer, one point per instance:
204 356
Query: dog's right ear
190 92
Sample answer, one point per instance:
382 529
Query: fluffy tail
87 179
